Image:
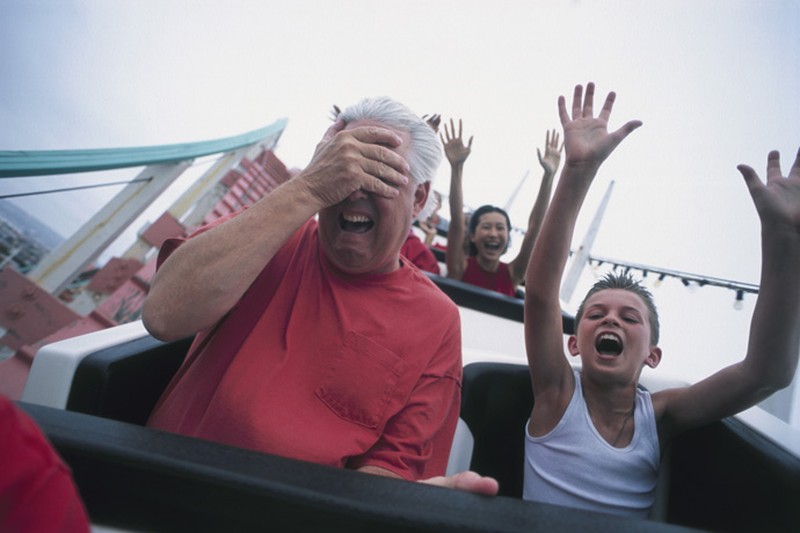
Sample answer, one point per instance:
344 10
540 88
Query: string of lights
688 279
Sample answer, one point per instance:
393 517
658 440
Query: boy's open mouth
608 344
355 223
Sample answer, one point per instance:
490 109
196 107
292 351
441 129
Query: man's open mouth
355 223
608 344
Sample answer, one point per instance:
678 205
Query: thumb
331 132
620 134
627 128
467 481
335 128
751 179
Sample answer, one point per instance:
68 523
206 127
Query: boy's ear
654 357
572 345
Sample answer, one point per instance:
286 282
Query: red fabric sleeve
172 244
420 255
37 492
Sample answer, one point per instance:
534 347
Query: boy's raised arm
587 144
772 350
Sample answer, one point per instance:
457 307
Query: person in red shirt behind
419 254
37 492
302 345
490 226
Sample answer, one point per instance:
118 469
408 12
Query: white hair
425 153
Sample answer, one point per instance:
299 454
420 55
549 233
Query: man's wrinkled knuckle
348 142
350 158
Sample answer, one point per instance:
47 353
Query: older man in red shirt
303 347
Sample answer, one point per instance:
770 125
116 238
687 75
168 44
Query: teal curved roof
21 163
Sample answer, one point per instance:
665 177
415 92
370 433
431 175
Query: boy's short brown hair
626 282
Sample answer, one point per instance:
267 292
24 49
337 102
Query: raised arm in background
550 161
456 153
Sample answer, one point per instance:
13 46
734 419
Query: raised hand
454 147
552 153
586 137
778 200
427 227
346 161
433 121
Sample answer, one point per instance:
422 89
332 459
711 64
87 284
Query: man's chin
350 262
357 264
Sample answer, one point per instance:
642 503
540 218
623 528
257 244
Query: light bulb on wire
738 304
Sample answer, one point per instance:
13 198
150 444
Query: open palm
454 147
586 137
778 200
552 153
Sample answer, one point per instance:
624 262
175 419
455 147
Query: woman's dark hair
475 218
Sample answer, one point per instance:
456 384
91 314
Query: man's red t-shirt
325 367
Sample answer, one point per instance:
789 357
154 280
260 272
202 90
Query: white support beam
207 191
200 197
581 256
515 192
63 264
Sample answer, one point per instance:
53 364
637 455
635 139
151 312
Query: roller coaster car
92 394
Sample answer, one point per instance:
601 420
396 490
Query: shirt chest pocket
360 380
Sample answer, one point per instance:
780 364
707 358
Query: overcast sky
716 83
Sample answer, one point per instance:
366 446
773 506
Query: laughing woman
489 226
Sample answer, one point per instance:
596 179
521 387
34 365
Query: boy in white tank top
594 437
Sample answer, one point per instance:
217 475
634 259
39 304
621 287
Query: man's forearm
205 277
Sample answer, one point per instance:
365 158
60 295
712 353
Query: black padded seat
727 477
125 381
491 302
496 402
